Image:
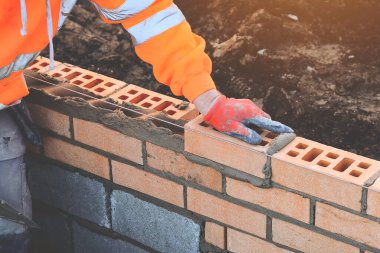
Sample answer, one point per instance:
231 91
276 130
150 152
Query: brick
226 212
86 240
54 235
347 224
49 119
42 65
202 140
147 183
147 99
214 234
305 240
98 136
92 82
152 225
322 171
76 156
373 199
243 243
68 191
176 164
275 199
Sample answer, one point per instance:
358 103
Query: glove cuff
221 100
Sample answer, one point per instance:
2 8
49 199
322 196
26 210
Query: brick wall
113 180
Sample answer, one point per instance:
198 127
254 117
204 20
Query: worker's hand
231 116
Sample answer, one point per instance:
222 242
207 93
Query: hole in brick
312 154
255 128
56 75
364 165
171 112
66 70
163 106
93 83
139 98
355 173
271 135
35 69
332 155
344 164
100 89
293 153
323 163
302 146
109 84
44 64
264 143
77 82
156 99
123 97
87 77
34 62
133 92
73 75
204 124
146 105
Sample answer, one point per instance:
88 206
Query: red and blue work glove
232 116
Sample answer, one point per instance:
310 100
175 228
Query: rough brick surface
243 243
49 119
374 199
176 164
147 183
111 141
226 212
347 224
76 156
275 199
71 192
323 171
203 141
305 240
54 235
153 226
214 234
87 241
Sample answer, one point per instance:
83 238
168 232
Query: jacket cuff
197 85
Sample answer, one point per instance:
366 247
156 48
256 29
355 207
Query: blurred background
314 65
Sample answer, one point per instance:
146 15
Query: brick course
214 234
176 164
374 199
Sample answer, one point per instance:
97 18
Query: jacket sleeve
163 38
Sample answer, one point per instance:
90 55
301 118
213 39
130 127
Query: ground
314 65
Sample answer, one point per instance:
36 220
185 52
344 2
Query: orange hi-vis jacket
161 35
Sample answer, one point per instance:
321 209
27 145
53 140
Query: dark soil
320 74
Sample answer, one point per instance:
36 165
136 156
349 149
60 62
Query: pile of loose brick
99 189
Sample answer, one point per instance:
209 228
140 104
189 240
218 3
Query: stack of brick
108 180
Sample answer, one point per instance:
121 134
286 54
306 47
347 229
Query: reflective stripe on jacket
161 35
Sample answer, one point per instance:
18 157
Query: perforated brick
323 171
202 140
151 100
41 65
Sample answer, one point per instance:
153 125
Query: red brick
147 183
305 240
42 64
111 141
147 99
214 234
176 164
49 119
243 243
347 224
373 200
322 171
206 142
275 199
76 156
226 212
